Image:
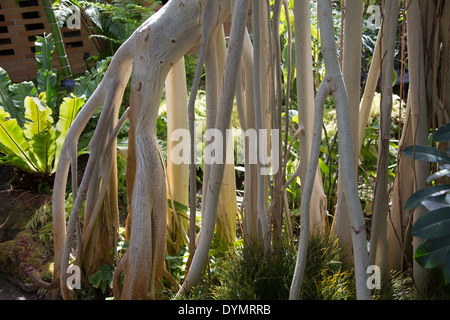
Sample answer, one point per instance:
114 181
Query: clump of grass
252 274
325 277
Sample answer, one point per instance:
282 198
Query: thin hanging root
210 11
97 153
240 13
68 156
105 173
116 280
298 277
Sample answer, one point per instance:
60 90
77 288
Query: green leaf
102 277
433 224
39 131
418 197
44 147
19 92
446 269
44 52
6 101
439 174
426 153
324 168
46 76
96 279
178 206
46 84
437 202
13 142
67 113
442 134
39 117
433 253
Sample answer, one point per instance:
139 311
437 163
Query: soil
9 291
20 253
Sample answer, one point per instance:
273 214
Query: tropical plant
32 128
251 74
35 147
12 96
434 226
114 20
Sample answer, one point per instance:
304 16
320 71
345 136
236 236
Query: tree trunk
418 99
378 241
177 173
305 94
246 111
351 70
222 123
346 152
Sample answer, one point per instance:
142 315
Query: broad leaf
6 101
44 52
39 117
442 134
9 158
418 197
438 175
22 90
426 153
67 113
433 253
43 146
46 76
13 142
433 224
39 130
437 202
46 84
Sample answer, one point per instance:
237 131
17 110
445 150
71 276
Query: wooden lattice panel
20 22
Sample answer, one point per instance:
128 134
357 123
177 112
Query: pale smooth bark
299 272
378 241
369 90
121 64
240 12
177 173
418 99
246 112
262 110
399 219
347 161
227 209
305 94
351 69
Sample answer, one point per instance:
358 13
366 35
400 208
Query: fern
115 21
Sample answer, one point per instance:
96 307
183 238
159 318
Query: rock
16 210
22 254
24 257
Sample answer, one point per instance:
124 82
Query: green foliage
41 223
252 274
102 278
12 96
434 226
325 278
46 76
35 147
32 129
114 21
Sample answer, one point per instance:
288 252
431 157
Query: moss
24 256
